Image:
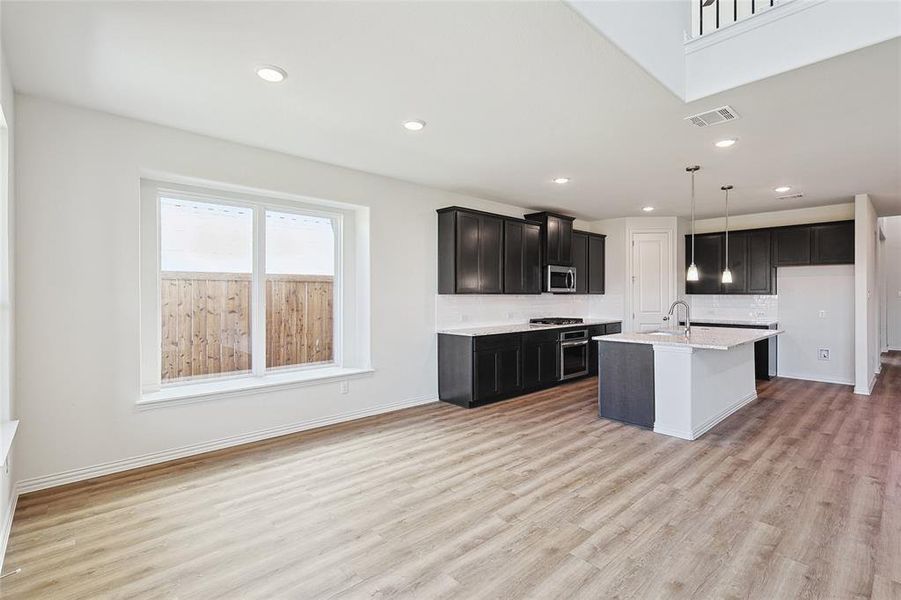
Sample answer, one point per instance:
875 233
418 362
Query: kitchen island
676 384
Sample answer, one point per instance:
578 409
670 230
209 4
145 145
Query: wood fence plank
206 325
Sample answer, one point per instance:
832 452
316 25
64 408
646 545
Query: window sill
215 390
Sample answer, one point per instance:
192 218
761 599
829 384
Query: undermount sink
666 332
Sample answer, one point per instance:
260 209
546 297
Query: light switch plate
822 314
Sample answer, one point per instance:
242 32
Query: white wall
650 32
892 273
786 37
8 410
813 319
78 348
866 351
465 310
618 299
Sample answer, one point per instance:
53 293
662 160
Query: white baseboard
817 378
710 423
48 481
8 523
714 420
868 388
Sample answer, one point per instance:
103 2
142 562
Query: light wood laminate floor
796 496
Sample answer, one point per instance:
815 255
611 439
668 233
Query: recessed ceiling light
415 125
782 189
271 73
726 143
561 180
648 208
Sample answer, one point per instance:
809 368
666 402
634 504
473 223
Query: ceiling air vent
789 197
716 116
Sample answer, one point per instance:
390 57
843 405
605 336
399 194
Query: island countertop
707 338
521 327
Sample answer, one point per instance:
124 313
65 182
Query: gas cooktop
555 321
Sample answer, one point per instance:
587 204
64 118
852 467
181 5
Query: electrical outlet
343 387
822 314
823 354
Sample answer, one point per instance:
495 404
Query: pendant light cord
727 229
692 217
693 170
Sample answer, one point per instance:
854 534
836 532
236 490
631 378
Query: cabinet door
579 254
791 246
531 263
833 243
491 268
522 261
709 260
565 253
552 241
738 264
514 233
596 265
539 363
760 270
485 377
467 272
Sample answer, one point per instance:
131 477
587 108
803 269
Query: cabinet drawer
613 328
489 342
543 335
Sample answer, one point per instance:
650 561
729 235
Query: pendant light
693 274
727 274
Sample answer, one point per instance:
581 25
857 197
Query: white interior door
651 290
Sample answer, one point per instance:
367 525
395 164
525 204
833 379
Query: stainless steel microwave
561 280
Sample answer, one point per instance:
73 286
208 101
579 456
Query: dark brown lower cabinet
540 359
476 370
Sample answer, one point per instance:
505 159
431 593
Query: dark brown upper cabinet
791 246
738 264
597 268
522 257
588 250
556 238
761 274
754 255
832 243
470 252
580 261
709 256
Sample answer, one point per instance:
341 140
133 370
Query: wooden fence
206 322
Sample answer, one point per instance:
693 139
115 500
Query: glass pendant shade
692 274
727 276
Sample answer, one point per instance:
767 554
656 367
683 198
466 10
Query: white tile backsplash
734 307
453 311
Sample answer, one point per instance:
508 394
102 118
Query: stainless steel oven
561 280
573 354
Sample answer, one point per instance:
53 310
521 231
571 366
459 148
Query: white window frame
153 390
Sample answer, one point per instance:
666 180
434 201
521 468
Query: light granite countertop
707 338
520 328
725 321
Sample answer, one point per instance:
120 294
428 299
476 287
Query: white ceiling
514 93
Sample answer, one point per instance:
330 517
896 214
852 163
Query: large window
246 286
